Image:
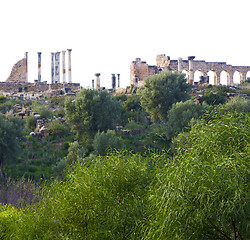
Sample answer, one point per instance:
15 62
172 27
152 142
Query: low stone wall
15 87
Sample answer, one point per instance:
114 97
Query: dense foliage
11 133
90 111
119 174
161 91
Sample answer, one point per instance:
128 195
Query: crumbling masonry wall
141 70
18 72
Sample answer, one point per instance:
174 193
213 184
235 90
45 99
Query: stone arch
212 77
237 77
224 77
197 75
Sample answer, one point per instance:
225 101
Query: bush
102 200
237 104
31 122
180 115
104 141
58 129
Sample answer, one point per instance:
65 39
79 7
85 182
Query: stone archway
197 75
212 77
237 76
224 75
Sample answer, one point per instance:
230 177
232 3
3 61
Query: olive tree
90 111
160 91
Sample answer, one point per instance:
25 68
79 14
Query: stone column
217 78
63 67
243 77
93 83
69 66
118 80
57 67
191 70
52 68
26 62
179 64
230 79
113 79
97 75
39 67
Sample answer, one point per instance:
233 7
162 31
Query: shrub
102 200
103 141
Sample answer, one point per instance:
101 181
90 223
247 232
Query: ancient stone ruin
19 71
17 82
140 70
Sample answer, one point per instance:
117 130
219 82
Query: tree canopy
11 132
180 115
90 111
160 91
202 193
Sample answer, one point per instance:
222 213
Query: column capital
191 57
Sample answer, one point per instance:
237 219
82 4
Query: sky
106 36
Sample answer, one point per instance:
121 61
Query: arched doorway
211 76
197 76
223 77
236 77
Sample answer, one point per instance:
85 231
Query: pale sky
106 36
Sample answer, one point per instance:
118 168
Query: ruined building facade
19 72
140 70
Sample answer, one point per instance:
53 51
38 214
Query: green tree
203 192
92 110
161 91
105 140
106 199
11 133
180 115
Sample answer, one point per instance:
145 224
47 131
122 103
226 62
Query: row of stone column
113 81
55 67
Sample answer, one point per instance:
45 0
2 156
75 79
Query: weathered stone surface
19 72
141 70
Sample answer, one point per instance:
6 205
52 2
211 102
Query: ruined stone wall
140 70
18 72
15 87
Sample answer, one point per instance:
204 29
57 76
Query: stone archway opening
197 76
223 78
211 75
248 76
236 77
